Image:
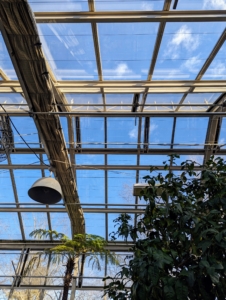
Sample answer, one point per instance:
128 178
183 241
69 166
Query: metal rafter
158 41
207 63
131 16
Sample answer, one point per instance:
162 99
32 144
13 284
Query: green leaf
204 264
218 237
181 290
169 292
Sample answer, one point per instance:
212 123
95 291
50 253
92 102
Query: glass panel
95 223
201 98
92 132
24 180
58 5
32 221
63 121
160 132
217 69
196 158
222 138
122 160
27 129
190 132
121 5
122 132
5 61
200 4
185 48
126 49
14 98
167 99
89 159
118 99
120 186
61 223
25 159
10 228
152 160
113 228
7 259
69 50
6 191
80 99
90 185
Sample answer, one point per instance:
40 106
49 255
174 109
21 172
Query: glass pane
196 158
95 223
6 191
120 186
222 137
69 50
61 223
58 5
32 221
5 61
200 4
126 49
160 133
152 160
190 132
121 5
27 129
168 99
25 159
80 99
10 228
92 132
118 99
217 69
201 98
185 48
90 185
89 159
122 132
122 159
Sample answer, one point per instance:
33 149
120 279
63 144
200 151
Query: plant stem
68 277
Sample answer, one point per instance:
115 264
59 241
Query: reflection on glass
90 184
121 5
199 98
77 101
168 99
122 132
58 5
185 48
217 69
190 131
126 49
69 50
118 99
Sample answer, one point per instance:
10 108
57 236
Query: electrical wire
42 162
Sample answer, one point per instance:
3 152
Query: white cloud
222 141
192 64
214 4
153 127
182 38
219 70
133 133
146 6
121 70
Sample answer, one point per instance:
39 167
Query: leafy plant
180 240
87 245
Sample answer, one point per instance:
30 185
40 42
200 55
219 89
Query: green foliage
92 246
180 240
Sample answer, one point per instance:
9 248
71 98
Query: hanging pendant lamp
46 190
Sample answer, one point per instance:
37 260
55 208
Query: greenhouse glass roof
134 81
